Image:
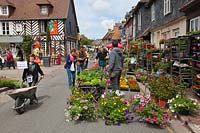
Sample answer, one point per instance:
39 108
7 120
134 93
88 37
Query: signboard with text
22 65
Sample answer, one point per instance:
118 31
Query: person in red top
10 59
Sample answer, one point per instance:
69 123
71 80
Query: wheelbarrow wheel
18 103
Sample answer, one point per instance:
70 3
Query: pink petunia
85 107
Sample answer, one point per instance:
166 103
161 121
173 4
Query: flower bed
114 108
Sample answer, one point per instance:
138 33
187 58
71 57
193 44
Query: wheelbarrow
22 97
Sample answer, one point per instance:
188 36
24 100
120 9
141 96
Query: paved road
49 117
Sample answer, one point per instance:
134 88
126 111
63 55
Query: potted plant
81 107
183 105
113 107
162 41
150 112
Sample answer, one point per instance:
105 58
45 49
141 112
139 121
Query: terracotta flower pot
154 100
162 103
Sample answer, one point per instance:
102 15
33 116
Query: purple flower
119 124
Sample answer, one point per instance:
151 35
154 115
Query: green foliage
161 66
48 40
13 84
112 108
193 33
89 77
26 45
165 87
183 105
85 40
135 42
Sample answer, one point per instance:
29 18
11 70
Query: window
44 10
176 32
195 24
139 20
43 26
167 7
153 12
4 10
5 28
166 35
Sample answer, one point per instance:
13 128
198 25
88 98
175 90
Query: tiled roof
190 5
117 35
6 3
30 9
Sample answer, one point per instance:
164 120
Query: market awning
11 39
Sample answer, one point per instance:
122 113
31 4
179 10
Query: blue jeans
71 77
80 67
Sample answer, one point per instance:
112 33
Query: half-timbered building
33 17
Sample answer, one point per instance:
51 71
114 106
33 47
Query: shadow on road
41 100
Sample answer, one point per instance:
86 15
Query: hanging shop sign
53 27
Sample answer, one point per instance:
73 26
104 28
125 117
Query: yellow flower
124 109
115 103
122 99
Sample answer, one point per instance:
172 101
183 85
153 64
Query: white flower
169 101
175 116
195 103
172 111
103 96
119 93
179 105
177 96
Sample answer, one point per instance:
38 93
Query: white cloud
85 25
108 23
96 16
100 5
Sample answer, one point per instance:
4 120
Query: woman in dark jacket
71 67
101 56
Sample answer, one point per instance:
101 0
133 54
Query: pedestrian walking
87 59
1 62
101 57
115 66
81 59
31 75
10 59
20 53
71 68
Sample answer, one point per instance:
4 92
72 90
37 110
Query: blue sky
96 16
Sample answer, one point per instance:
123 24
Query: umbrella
119 46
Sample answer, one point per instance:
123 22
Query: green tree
85 40
48 41
26 45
